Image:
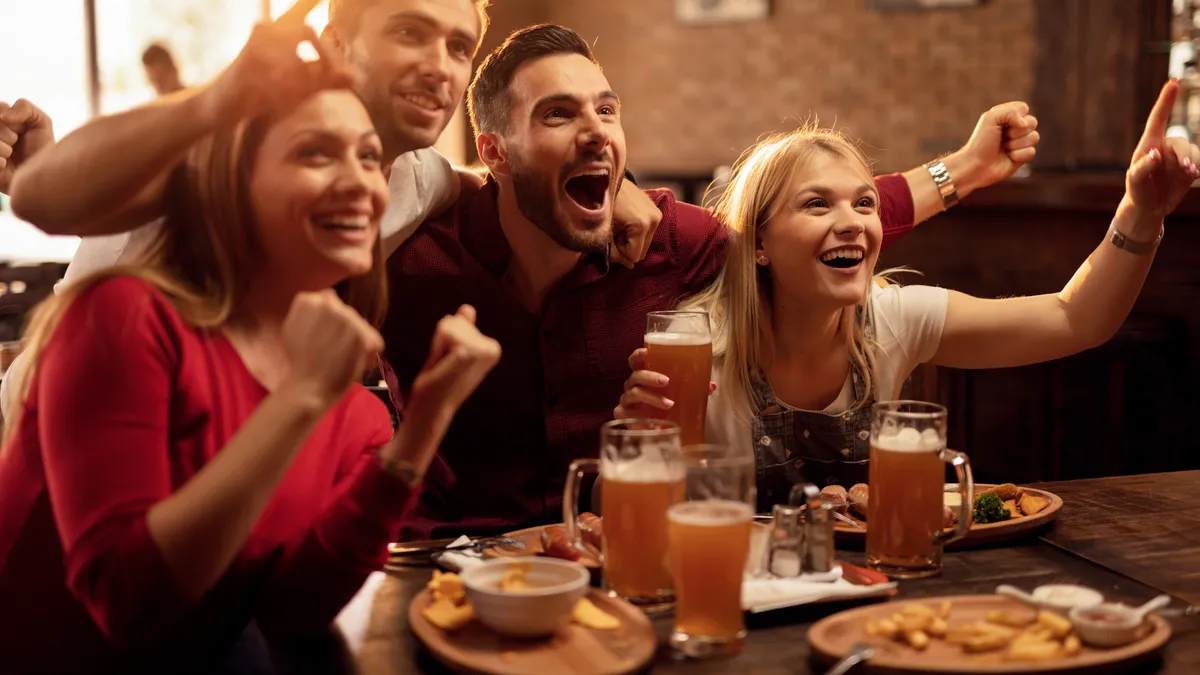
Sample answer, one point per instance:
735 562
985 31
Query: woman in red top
192 453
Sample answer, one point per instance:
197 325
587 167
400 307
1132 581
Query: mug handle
966 490
571 506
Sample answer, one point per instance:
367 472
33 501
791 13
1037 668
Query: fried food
1031 504
514 577
859 496
448 616
555 545
1058 625
1010 619
1003 635
1011 506
447 586
589 615
1007 491
837 496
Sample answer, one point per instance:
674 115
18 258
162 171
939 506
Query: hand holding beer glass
679 345
907 480
709 537
641 464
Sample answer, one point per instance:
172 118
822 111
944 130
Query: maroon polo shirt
504 460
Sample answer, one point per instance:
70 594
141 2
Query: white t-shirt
908 322
422 184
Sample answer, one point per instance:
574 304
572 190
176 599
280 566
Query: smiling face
317 192
824 239
412 59
563 151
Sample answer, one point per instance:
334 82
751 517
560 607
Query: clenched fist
24 131
459 358
328 344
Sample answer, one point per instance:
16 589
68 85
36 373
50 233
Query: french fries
1005 635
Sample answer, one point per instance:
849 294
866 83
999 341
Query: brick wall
909 84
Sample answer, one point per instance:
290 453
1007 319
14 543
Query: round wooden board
989 533
832 637
531 537
475 648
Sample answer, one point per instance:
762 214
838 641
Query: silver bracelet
944 182
1135 247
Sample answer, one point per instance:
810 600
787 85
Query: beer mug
641 467
679 345
709 542
905 533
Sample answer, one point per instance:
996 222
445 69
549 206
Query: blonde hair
203 257
739 302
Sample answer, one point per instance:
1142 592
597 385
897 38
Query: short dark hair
157 55
489 98
345 14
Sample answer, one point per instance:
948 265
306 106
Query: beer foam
711 513
678 339
643 470
909 440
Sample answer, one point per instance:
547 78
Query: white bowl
536 612
1062 598
1118 627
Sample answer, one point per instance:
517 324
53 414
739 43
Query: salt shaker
785 546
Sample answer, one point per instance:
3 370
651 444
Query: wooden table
1145 527
1141 560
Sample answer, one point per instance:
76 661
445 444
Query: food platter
979 534
575 649
832 637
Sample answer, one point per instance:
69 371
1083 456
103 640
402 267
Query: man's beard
536 199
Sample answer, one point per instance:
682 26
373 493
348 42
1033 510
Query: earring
762 260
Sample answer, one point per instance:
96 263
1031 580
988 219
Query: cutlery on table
859 652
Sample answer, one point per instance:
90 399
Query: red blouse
129 403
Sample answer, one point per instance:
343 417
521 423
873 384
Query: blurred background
701 80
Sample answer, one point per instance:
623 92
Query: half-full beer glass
679 345
907 481
641 465
709 535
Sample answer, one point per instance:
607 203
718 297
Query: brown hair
489 98
157 54
204 254
345 14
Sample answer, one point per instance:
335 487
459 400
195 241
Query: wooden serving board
474 648
989 533
832 637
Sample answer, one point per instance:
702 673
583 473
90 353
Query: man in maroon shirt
530 251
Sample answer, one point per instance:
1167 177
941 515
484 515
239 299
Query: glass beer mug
642 472
679 345
905 534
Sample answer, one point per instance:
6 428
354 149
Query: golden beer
686 360
635 535
905 509
709 544
907 480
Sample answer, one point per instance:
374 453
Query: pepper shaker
818 535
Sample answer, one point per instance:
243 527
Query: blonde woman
805 340
192 452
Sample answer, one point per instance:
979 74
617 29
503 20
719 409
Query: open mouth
344 223
843 258
589 190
